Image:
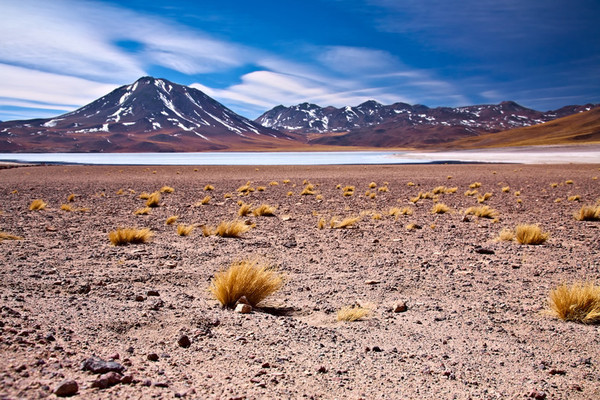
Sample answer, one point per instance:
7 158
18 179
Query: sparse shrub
229 229
352 313
185 230
440 208
346 222
37 204
245 209
506 189
579 302
208 187
530 234
153 200
506 234
124 236
250 278
171 220
264 210
8 236
71 198
574 198
482 212
142 211
66 207
588 213
167 189
475 185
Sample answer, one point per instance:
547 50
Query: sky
56 56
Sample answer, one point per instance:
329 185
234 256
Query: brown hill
580 128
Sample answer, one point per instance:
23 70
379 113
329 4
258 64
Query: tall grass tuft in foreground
588 213
264 210
579 302
352 313
37 204
153 200
124 236
530 234
251 278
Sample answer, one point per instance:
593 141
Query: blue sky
58 55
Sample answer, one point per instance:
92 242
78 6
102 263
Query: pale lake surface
520 155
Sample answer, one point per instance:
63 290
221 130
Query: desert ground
475 326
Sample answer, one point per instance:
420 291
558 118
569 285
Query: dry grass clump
286 181
205 200
579 302
439 190
171 220
553 185
245 189
517 193
530 234
321 223
167 189
482 212
372 185
66 207
8 236
260 188
383 189
273 183
506 189
319 197
264 210
245 209
252 279
124 236
506 234
475 185
352 313
71 198
153 200
471 192
37 204
440 208
569 182
574 198
209 187
142 211
348 190
227 196
486 196
144 196
229 229
410 184
346 222
308 191
185 230
396 212
588 213
290 194
451 190
120 192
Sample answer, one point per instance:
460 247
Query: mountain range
156 115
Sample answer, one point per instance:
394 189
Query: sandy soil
474 327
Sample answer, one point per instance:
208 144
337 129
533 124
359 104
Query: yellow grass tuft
376 216
260 188
396 212
171 220
486 196
319 197
144 196
482 212
71 198
209 187
153 200
307 191
530 234
273 183
352 313
440 208
412 227
227 196
286 181
506 189
37 204
66 207
124 236
451 190
579 302
553 185
204 201
8 236
245 209
383 189
321 223
252 278
574 198
372 195
120 192
229 229
475 185
346 222
372 185
410 184
569 182
142 211
517 193
506 234
167 189
439 190
290 194
245 188
184 230
588 213
557 200
264 210
449 177
471 192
